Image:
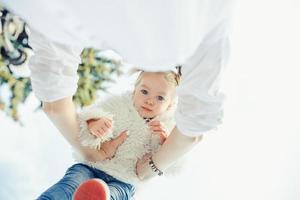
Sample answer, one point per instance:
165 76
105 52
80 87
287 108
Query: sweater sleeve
93 112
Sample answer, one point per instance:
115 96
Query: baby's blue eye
144 91
160 98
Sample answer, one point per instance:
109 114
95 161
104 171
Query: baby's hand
157 128
99 127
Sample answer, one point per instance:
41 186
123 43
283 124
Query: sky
254 154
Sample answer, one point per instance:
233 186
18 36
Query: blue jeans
78 173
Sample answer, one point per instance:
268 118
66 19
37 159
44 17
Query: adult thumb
121 138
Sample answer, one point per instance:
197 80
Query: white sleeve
200 101
53 68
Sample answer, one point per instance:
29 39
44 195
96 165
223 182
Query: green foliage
94 72
19 88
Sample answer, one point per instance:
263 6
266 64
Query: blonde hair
171 76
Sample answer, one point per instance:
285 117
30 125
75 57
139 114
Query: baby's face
153 95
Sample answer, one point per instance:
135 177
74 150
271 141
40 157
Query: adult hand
99 127
142 166
157 128
109 148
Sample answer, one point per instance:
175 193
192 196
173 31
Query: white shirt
154 35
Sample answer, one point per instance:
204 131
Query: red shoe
93 189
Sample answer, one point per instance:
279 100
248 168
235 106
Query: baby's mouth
146 109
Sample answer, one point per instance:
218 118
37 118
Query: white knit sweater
140 140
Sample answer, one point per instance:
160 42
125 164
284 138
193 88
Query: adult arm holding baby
200 103
63 115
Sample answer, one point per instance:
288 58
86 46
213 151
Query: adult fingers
120 139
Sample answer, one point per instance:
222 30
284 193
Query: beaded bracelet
154 168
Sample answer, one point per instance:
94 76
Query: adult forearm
176 146
63 115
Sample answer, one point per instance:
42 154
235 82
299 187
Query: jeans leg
64 189
119 190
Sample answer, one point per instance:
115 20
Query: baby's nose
149 101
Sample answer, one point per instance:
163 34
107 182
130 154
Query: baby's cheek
165 107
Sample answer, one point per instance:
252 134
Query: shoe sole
93 189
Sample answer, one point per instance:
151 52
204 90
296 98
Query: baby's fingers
162 135
154 123
156 128
95 132
108 123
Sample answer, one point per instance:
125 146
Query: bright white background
255 154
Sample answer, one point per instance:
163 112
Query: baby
147 115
